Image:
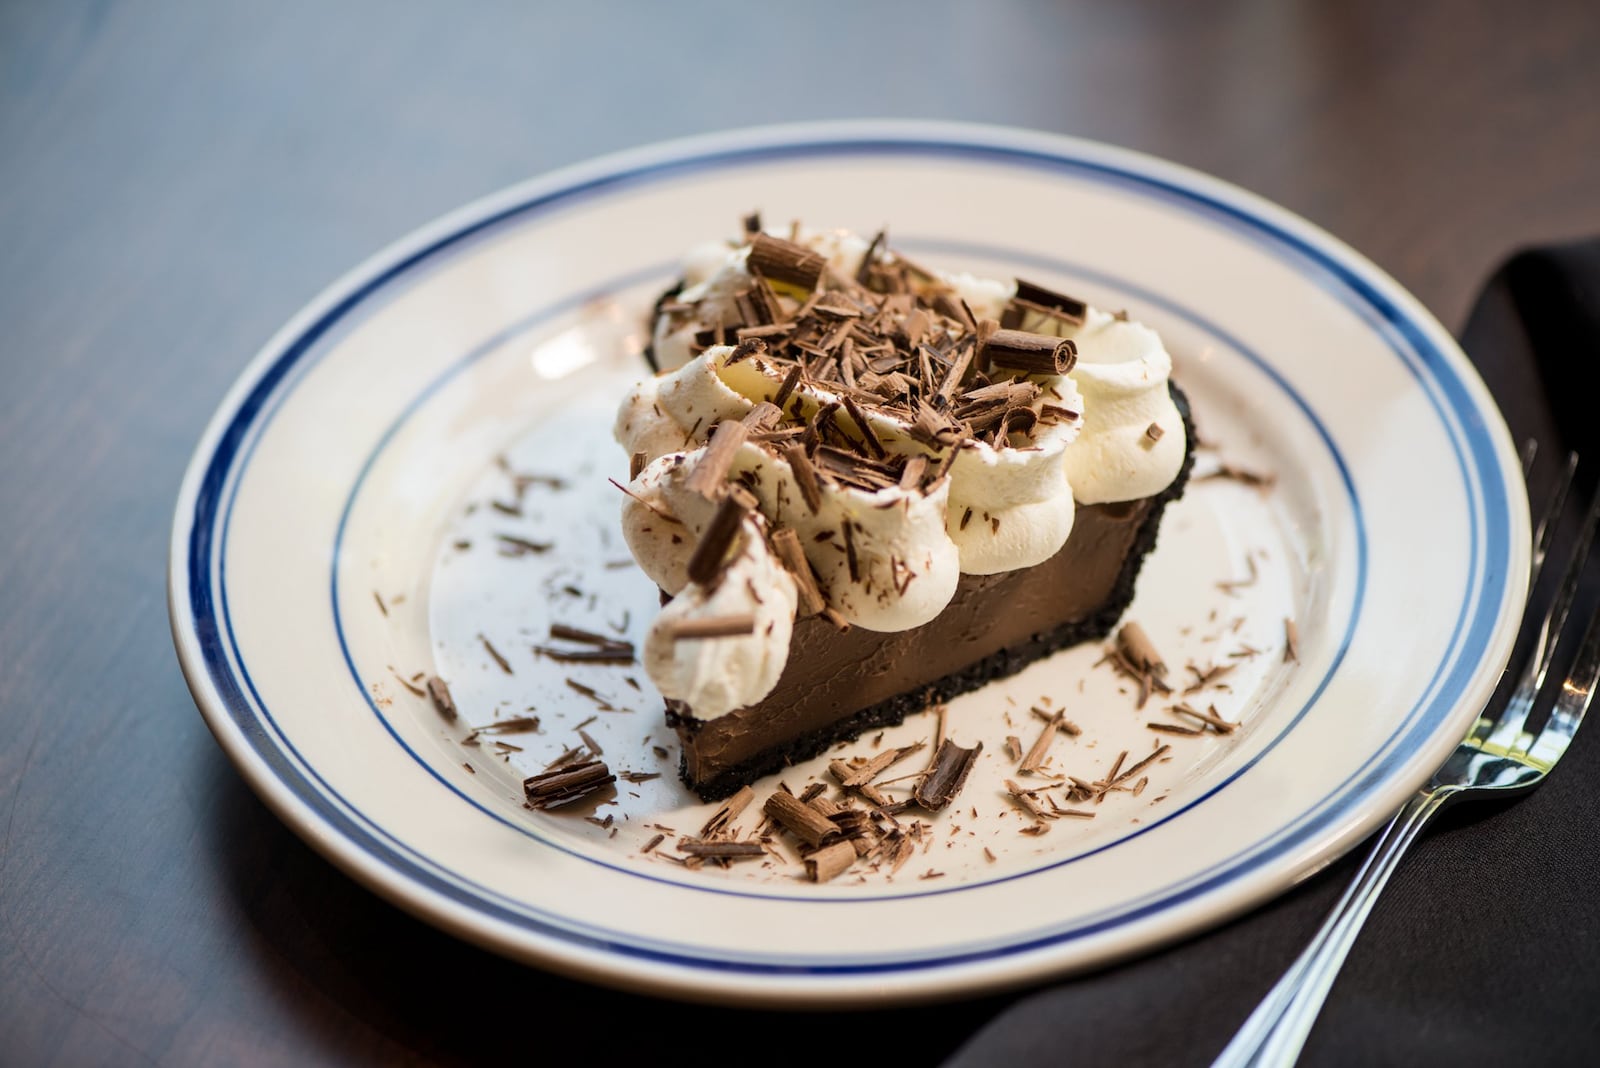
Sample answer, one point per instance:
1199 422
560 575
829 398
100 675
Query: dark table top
178 178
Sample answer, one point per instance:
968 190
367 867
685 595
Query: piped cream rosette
886 559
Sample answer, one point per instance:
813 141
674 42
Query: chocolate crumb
408 684
1233 585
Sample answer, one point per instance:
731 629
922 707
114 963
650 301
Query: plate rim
375 270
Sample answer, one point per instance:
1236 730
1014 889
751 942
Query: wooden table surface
178 178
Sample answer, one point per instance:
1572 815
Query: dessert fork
1500 757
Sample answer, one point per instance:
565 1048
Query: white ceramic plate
337 537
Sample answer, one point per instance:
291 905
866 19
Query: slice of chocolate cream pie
865 486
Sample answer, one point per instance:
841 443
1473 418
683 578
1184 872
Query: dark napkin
1485 947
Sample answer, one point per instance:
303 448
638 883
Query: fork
1500 757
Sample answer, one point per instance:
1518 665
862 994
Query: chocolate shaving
1037 354
805 476
1065 726
565 632
654 841
727 812
513 546
563 786
850 552
592 694
1291 642
443 703
762 417
869 259
831 614
750 346
1174 728
711 473
1131 772
505 665
874 446
786 545
408 684
785 261
1041 745
618 653
707 562
860 775
1209 717
1208 676
945 777
786 388
636 464
1034 297
712 627
911 474
721 850
514 725
802 820
1028 799
830 861
1239 474
1154 432
1136 645
660 512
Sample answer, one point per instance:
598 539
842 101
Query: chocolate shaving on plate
948 773
563 786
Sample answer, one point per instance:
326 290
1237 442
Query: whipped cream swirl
885 556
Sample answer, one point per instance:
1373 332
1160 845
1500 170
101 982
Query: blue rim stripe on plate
1450 397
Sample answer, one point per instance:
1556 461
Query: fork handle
1276 1032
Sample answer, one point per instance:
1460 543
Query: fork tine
1508 731
1537 664
1572 702
1548 520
